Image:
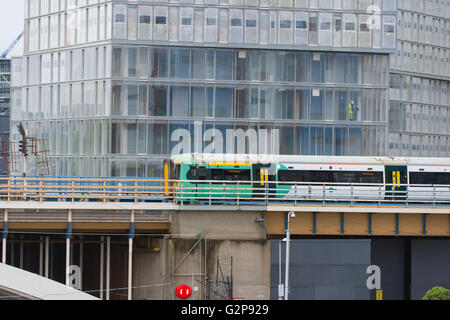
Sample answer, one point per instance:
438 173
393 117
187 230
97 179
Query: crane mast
7 51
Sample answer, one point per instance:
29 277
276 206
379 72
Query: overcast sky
11 25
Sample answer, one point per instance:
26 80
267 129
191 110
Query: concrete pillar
130 257
108 265
21 252
5 236
81 263
130 268
102 253
68 251
67 260
41 256
47 248
12 252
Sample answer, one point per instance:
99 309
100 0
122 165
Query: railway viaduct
137 250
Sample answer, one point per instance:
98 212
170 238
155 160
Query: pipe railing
215 192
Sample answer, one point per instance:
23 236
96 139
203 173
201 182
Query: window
211 21
196 173
349 26
439 178
325 26
421 177
330 176
157 101
120 17
301 24
144 19
251 23
186 21
338 25
364 27
285 24
160 20
389 28
313 24
303 176
230 175
236 22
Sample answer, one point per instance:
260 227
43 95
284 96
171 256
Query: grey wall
389 255
430 266
324 269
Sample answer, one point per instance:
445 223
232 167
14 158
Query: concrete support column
108 266
21 252
102 253
47 251
81 262
68 236
41 256
12 252
5 236
130 257
130 268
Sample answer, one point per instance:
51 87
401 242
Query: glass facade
118 86
419 107
5 106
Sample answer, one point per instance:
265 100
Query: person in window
351 110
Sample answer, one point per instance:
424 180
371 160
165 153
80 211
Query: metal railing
299 193
57 189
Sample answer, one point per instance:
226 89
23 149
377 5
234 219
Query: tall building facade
118 86
419 116
5 105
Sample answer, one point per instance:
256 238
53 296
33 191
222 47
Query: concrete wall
235 240
389 255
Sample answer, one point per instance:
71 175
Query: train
195 177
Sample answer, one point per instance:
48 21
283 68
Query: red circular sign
183 291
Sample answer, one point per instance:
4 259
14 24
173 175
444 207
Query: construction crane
7 51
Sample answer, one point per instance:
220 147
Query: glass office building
5 104
419 116
118 86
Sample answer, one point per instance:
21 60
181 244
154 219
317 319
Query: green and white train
315 178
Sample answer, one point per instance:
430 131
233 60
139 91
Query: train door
396 180
261 178
171 173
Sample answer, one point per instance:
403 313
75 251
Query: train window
317 176
442 178
330 176
201 173
237 175
303 176
177 171
344 177
230 175
192 173
421 178
371 177
290 176
217 174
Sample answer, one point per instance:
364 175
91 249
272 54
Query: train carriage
310 178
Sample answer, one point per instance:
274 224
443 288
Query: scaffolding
8 155
40 152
